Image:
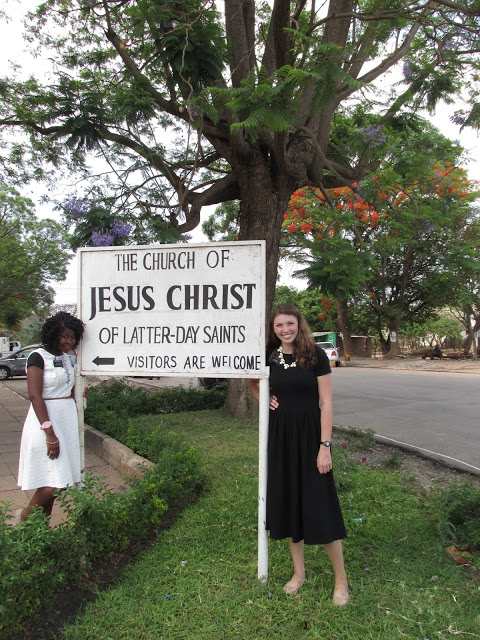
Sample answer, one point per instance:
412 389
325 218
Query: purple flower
373 135
407 69
102 239
120 229
457 118
371 131
76 208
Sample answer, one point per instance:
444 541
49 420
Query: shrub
128 401
38 560
459 515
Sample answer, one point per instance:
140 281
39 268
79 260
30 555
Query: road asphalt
112 461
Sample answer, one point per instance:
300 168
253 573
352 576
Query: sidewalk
13 410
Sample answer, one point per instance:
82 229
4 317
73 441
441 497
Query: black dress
302 504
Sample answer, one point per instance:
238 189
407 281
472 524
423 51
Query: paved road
433 411
436 411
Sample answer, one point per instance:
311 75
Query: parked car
331 351
213 383
15 363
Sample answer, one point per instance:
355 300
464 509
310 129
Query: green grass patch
199 579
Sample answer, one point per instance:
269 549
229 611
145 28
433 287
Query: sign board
183 309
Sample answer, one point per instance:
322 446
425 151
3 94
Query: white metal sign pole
262 479
80 379
79 399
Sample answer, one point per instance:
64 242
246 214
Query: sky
12 48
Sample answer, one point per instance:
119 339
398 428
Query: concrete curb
128 463
447 461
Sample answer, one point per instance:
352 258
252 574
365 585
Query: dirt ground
446 365
426 473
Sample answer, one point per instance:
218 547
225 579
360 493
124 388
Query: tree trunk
394 344
265 195
263 205
239 402
341 322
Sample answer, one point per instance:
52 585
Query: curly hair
304 346
54 326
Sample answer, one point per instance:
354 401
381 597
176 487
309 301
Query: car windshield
326 345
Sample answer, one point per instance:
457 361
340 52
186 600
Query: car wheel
337 363
4 373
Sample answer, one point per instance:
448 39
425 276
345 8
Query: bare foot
292 587
340 595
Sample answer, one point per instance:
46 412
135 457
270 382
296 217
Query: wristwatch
326 443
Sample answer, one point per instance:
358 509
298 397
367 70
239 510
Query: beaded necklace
281 359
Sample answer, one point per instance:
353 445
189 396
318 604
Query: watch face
327 443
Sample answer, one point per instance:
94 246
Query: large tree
190 108
32 254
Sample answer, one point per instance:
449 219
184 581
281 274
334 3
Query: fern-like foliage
270 102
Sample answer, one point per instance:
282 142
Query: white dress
35 468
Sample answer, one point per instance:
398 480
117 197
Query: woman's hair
54 326
304 345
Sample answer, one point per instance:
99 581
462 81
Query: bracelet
48 442
46 425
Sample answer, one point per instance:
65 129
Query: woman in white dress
50 447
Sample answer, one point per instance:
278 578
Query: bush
459 515
128 401
38 560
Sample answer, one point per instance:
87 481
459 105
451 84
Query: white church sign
183 309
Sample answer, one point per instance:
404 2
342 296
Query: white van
8 346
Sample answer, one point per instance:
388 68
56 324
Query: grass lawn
199 579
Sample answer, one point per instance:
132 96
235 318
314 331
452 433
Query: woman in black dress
302 502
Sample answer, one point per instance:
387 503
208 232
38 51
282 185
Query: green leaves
270 103
32 254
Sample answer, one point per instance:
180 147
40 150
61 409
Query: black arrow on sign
98 361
